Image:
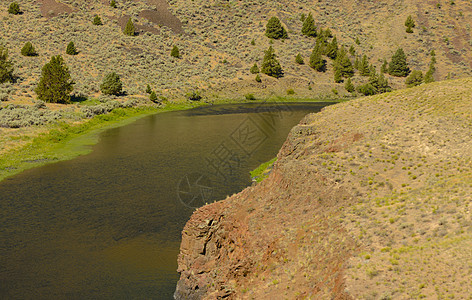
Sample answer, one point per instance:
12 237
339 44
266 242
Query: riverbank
367 199
34 146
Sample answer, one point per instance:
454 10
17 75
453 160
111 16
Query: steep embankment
368 198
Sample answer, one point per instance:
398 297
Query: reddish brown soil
51 8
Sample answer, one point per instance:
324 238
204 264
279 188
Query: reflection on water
107 225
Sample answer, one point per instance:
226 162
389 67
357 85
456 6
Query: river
107 225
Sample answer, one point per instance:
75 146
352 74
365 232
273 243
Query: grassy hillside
215 42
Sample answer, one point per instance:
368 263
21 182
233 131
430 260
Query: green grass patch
261 172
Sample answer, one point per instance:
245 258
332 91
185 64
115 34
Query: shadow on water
108 224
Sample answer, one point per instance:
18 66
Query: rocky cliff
368 198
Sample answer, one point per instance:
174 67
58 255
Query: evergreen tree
338 76
349 86
343 64
270 64
14 8
6 66
316 60
364 66
357 63
254 69
382 84
55 84
129 28
409 24
71 49
148 89
275 30
309 28
113 3
414 79
28 50
428 78
332 49
97 20
299 59
111 84
357 41
384 67
153 97
258 78
398 65
327 33
352 51
175 52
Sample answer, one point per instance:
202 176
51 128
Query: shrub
258 78
250 97
129 28
349 86
299 59
309 28
16 116
409 24
55 84
175 52
290 92
153 97
6 66
97 20
148 89
28 50
275 30
254 69
113 3
111 84
414 79
71 50
194 96
270 64
14 8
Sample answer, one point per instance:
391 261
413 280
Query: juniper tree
364 66
175 52
299 59
254 69
428 77
148 89
28 50
55 84
270 64
6 66
352 51
111 84
309 28
153 97
129 28
409 24
343 64
316 60
275 30
414 79
349 86
97 20
14 8
384 67
332 49
398 65
71 50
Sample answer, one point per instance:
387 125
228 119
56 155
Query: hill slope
215 41
369 198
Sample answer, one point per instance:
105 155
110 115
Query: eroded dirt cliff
369 198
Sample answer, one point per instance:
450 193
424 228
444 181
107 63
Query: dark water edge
107 225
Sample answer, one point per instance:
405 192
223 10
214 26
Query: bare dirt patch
51 8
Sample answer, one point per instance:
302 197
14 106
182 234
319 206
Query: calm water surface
107 225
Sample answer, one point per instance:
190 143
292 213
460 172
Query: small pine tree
6 66
14 8
338 76
153 97
253 42
349 86
254 69
364 66
113 3
332 49
258 78
352 51
409 22
316 61
28 50
398 65
175 52
71 49
129 28
429 76
343 65
309 28
97 21
275 30
357 41
414 79
270 64
384 67
148 89
111 84
299 59
55 84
